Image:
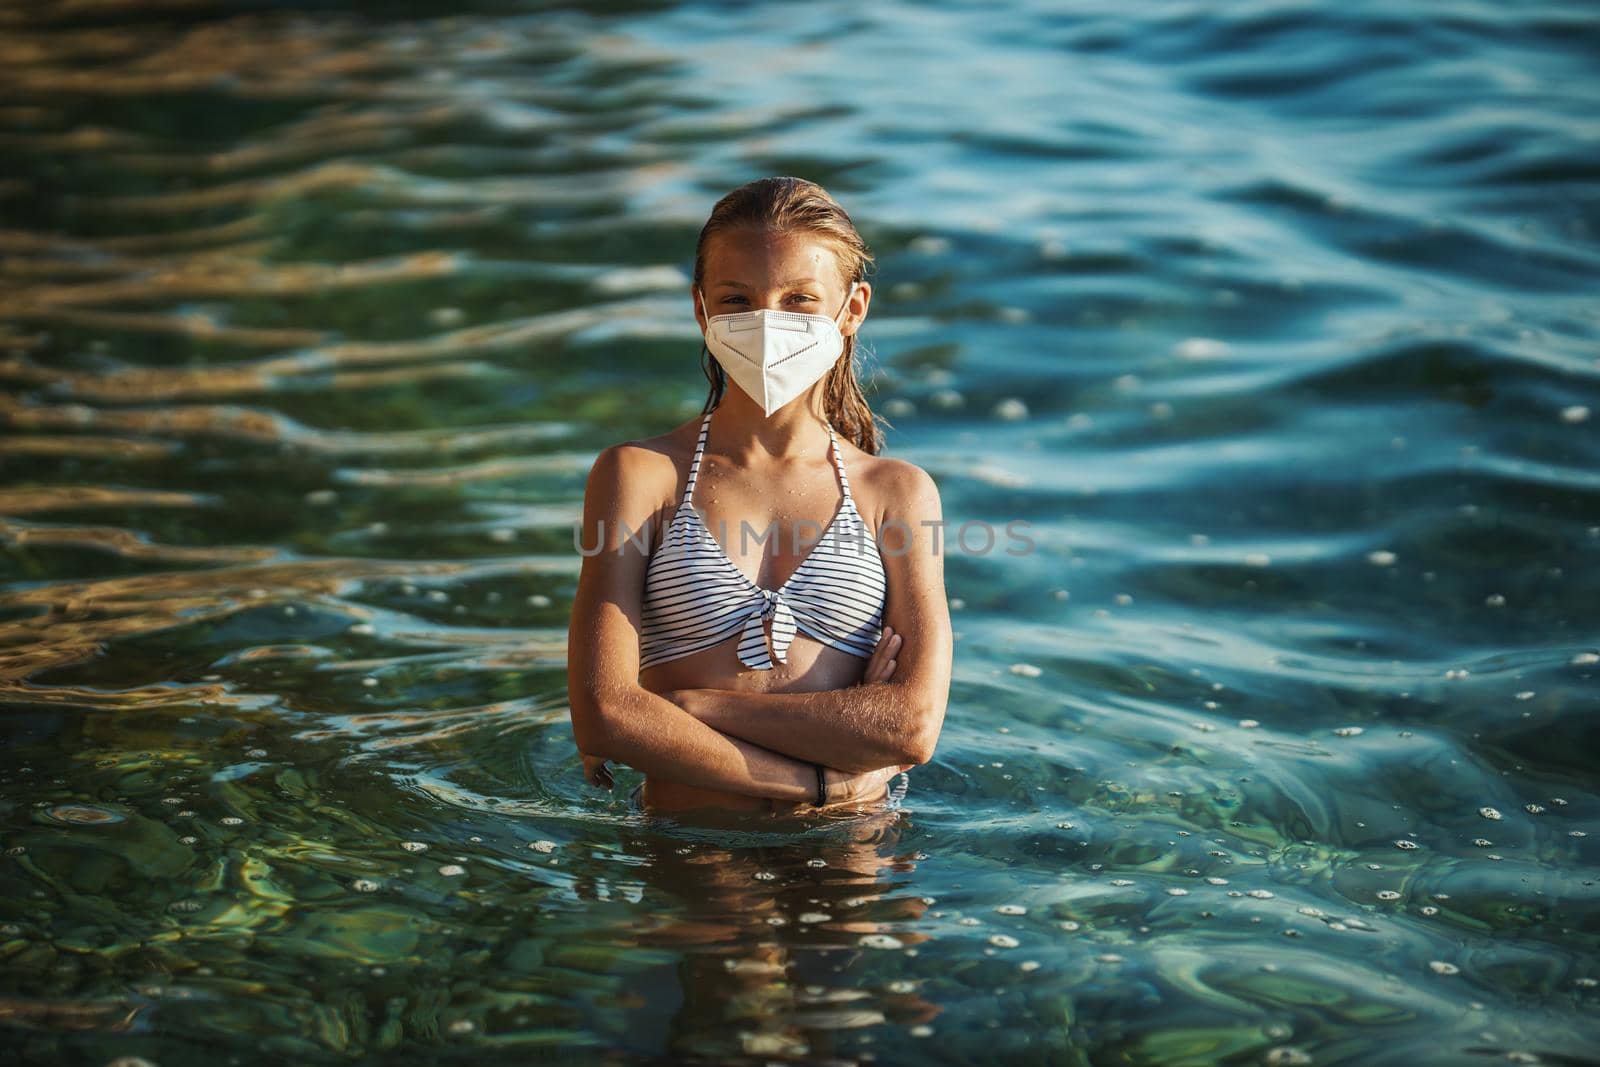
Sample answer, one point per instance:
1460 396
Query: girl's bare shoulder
888 486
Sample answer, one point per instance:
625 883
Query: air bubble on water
1177 891
764 876
1495 600
231 820
542 846
1402 843
1200 348
451 870
1026 670
1455 674
1068 924
816 861
921 1030
1388 894
1489 813
968 920
1381 557
1526 694
1441 967
1249 724
1585 659
463 1026
1348 731
1109 957
364 885
369 681
1214 880
1011 409
1003 941
1257 559
1575 414
880 941
813 917
1011 909
413 846
1261 894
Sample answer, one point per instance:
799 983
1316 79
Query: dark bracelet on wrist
822 787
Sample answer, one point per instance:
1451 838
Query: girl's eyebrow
792 281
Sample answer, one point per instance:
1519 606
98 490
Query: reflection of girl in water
777 945
785 642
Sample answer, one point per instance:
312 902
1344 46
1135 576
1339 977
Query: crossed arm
759 744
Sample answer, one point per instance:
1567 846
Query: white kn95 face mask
774 356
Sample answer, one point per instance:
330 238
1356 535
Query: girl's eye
797 298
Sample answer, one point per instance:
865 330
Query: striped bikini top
695 597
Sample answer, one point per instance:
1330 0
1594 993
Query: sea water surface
1276 322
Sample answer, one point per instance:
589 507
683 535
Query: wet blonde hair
795 205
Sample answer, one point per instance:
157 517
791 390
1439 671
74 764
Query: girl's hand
880 668
595 771
842 786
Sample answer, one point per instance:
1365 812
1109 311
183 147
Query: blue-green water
1277 322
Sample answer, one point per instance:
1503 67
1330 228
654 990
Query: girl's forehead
745 249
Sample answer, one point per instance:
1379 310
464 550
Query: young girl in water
784 644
